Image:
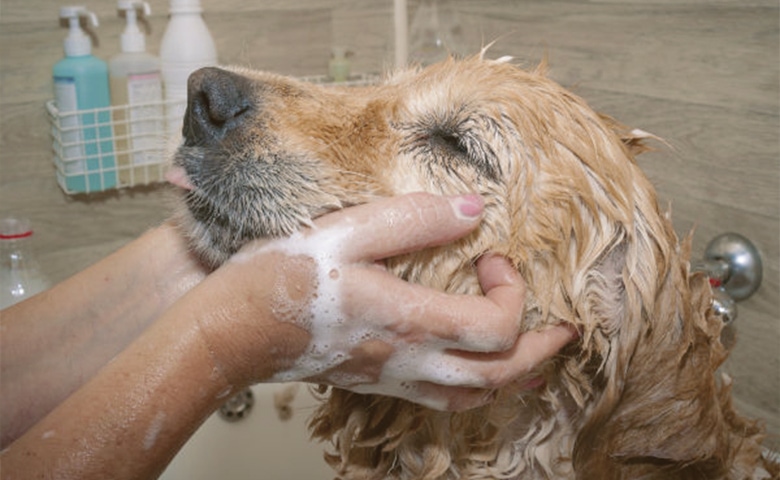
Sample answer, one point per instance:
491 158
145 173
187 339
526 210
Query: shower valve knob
734 266
740 264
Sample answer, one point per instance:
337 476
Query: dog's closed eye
453 147
448 143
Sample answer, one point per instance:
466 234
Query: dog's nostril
218 101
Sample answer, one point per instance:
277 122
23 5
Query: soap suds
423 360
332 338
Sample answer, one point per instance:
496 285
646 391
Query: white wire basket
357 80
110 148
125 146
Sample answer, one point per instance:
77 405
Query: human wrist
249 336
172 269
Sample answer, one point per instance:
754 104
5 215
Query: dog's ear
658 414
634 139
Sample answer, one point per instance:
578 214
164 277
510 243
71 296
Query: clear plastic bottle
136 83
435 33
20 274
186 46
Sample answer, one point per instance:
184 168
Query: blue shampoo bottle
81 84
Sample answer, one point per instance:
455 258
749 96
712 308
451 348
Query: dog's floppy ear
659 413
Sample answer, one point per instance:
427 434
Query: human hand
318 307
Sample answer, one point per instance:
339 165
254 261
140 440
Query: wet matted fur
637 396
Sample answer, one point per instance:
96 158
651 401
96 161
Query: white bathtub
260 446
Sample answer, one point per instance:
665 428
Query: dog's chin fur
637 396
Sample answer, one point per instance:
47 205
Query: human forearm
132 417
54 342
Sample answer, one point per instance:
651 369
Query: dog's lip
176 175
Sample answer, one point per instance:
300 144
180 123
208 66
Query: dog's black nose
218 101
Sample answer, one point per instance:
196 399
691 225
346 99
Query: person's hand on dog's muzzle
333 314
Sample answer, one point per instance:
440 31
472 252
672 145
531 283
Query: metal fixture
734 266
238 406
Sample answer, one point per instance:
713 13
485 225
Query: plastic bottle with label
137 91
82 96
20 274
186 46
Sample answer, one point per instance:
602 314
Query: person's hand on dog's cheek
518 363
457 371
334 316
307 295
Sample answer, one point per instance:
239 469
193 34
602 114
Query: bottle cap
338 52
14 229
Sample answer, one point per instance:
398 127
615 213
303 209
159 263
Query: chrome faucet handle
734 266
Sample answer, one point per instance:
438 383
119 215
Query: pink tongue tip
177 176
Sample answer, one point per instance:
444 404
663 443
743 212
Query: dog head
264 155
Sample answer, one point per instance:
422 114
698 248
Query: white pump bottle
136 86
186 46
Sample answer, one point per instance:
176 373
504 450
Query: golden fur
638 396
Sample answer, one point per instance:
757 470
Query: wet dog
636 397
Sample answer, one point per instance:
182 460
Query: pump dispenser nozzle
134 11
78 43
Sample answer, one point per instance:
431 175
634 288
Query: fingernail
574 331
468 206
